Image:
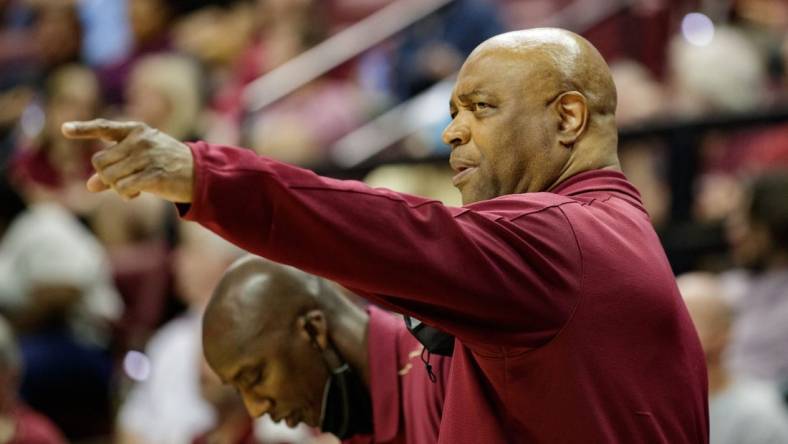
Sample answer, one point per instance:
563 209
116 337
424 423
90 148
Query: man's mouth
462 175
463 167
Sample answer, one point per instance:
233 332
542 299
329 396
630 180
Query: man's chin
469 197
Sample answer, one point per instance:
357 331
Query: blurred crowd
100 299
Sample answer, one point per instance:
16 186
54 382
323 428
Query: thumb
95 184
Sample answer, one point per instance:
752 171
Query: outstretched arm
481 275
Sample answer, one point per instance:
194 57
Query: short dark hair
769 206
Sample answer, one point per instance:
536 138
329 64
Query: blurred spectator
18 423
164 92
641 100
17 46
758 234
727 75
57 33
766 23
148 21
167 406
766 13
740 411
217 35
51 270
18 69
55 285
640 97
222 38
297 129
136 236
435 48
48 167
14 101
233 424
644 165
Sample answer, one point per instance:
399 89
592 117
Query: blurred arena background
102 298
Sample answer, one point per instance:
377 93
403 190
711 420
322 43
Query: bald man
294 347
567 321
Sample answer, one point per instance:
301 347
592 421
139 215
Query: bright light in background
136 365
697 29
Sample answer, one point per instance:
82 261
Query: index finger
109 130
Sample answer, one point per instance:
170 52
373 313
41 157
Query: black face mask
434 341
347 407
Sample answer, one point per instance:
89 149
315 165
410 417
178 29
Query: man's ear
572 110
312 327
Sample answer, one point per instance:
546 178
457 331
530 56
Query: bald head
256 295
558 60
530 109
266 331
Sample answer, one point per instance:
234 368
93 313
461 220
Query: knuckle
97 160
137 128
148 132
135 140
108 176
103 124
123 187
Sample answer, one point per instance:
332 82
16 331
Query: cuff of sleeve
191 211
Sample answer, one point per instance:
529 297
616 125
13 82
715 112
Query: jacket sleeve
484 273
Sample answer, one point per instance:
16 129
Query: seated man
56 289
302 352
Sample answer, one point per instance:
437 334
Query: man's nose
256 406
456 133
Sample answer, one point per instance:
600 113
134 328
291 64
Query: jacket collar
600 181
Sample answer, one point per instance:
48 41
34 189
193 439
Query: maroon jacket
569 325
406 405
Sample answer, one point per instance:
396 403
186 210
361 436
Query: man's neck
597 151
349 335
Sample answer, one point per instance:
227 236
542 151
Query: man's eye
480 106
251 378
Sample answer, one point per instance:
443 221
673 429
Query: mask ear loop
335 366
333 361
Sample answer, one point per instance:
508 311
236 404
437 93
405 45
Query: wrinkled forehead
503 71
